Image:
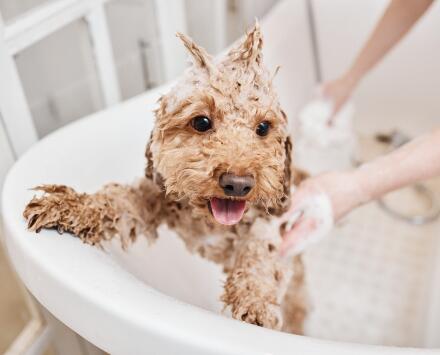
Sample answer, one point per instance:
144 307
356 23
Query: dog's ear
287 182
292 176
149 168
284 202
201 58
299 176
249 50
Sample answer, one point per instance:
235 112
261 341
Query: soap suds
318 210
322 147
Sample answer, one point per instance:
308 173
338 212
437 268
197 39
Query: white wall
133 33
206 22
404 89
215 24
241 15
13 8
6 155
287 44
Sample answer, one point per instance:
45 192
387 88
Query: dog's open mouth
227 211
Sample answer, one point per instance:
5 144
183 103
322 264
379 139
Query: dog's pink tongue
227 211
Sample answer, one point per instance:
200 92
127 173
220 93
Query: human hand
316 204
337 92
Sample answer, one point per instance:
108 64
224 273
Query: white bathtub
374 282
158 300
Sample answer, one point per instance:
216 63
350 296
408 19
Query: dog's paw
261 313
63 209
48 210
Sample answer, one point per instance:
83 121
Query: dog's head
220 138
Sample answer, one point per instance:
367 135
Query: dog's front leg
115 210
257 283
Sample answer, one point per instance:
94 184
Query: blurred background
62 82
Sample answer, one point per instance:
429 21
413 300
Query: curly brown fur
257 282
296 302
182 177
126 211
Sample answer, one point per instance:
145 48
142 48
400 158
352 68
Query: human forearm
415 161
346 190
397 20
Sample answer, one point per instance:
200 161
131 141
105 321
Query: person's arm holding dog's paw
344 191
397 20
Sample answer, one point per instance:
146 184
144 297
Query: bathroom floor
13 312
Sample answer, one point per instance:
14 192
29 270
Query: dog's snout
234 185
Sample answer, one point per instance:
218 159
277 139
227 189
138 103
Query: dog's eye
201 123
263 128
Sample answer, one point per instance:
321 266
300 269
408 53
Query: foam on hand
318 210
322 146
314 123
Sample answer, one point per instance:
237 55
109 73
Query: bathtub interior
370 282
167 266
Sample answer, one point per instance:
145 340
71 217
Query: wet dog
219 173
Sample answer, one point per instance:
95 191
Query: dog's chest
200 235
209 239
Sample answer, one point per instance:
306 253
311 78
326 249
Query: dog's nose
234 185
